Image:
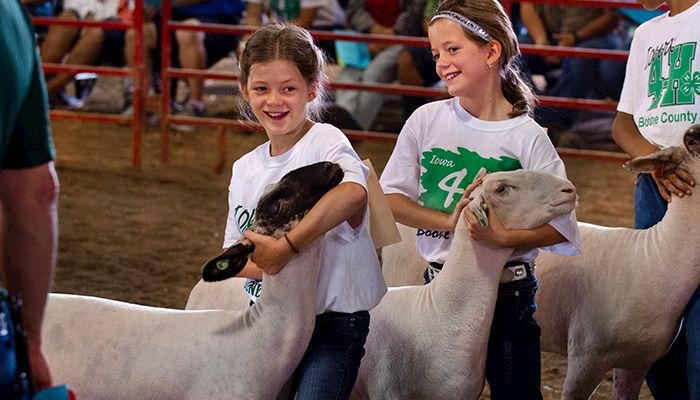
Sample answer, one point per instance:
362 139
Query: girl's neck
487 103
489 106
282 144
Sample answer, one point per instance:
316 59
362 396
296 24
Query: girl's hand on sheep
463 202
495 234
270 254
678 182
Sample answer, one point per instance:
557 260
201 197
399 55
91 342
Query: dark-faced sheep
281 206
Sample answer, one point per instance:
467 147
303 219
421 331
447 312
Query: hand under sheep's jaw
281 206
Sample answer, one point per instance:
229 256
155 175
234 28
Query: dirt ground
140 234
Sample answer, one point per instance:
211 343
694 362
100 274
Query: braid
517 91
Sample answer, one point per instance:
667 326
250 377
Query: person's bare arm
496 234
534 24
253 14
627 136
28 198
598 26
251 271
306 17
410 213
345 202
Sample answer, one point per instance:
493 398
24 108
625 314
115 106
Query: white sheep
220 295
619 303
429 342
402 265
108 349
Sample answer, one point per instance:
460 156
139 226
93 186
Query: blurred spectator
84 46
302 12
40 8
330 17
389 17
326 15
570 26
416 65
150 44
200 50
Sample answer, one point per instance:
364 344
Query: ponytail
517 91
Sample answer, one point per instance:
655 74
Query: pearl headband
465 22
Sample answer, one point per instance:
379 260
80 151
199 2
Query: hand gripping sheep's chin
280 207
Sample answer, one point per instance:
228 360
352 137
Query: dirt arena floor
141 234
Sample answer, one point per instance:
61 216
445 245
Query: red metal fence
168 72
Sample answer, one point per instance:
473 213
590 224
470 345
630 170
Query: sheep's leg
583 376
628 382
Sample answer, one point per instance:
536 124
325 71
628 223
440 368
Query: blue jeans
649 206
14 368
513 358
362 105
329 368
677 374
692 338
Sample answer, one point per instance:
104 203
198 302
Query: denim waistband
337 314
529 265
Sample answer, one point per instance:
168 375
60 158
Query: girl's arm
345 202
496 234
410 213
628 137
251 271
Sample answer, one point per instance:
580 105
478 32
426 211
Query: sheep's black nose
569 190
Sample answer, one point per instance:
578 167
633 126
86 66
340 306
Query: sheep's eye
500 189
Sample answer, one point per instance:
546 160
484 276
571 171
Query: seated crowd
357 62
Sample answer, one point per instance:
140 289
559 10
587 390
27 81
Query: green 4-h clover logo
447 174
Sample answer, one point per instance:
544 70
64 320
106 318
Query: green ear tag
481 214
222 264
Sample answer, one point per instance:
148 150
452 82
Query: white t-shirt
662 83
350 279
439 152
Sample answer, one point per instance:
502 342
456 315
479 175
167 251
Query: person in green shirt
28 182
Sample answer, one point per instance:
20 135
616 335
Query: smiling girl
441 148
282 76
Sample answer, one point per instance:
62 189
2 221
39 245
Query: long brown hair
489 14
292 43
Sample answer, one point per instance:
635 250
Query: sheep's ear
668 158
482 173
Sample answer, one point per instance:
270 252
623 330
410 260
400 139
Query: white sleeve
628 96
402 172
232 232
545 158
